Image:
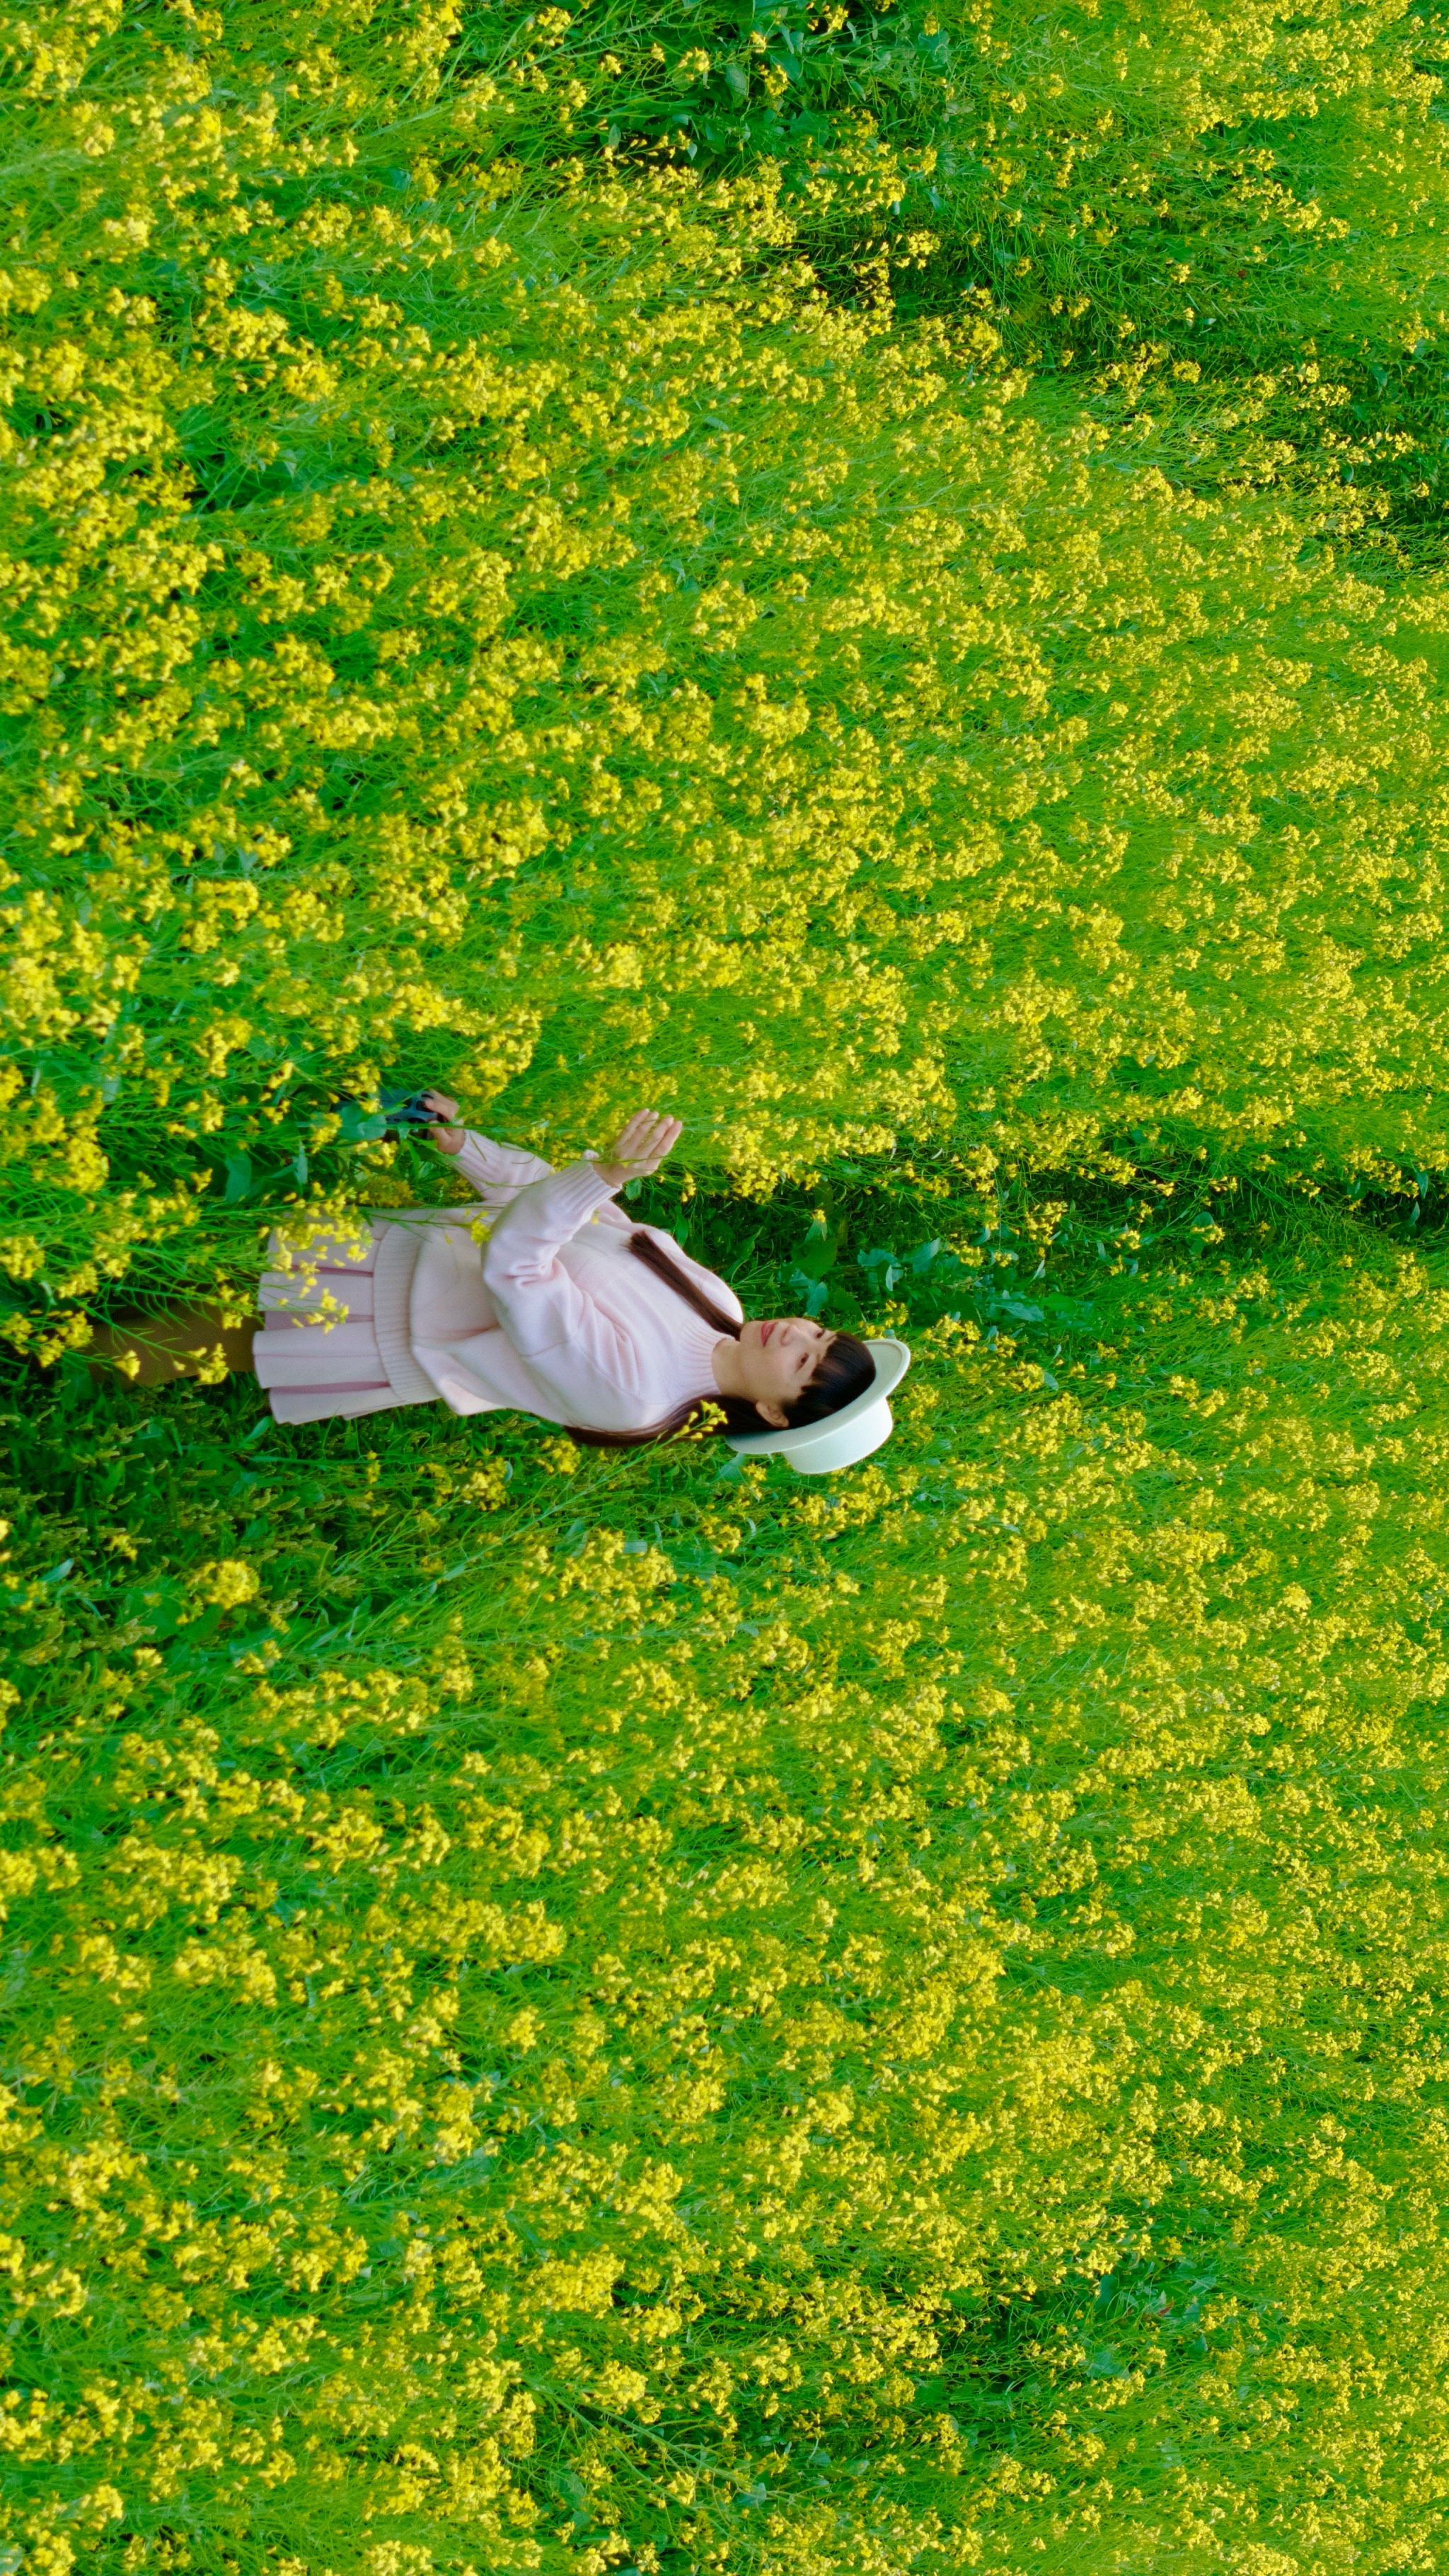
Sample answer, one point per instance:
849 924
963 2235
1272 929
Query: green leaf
1022 1309
817 1253
356 1128
816 1290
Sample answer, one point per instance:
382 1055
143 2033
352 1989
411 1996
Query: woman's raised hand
642 1147
448 1139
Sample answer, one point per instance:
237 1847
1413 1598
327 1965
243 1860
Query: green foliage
550 647
864 575
1231 187
634 2009
1246 178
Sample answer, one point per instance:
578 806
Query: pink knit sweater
556 1319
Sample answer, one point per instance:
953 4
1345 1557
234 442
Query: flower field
873 576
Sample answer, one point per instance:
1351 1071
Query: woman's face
777 1359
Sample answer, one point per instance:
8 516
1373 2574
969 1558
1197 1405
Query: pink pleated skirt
335 1340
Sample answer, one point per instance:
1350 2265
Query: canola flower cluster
896 2027
541 636
874 575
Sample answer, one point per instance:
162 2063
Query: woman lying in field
565 1308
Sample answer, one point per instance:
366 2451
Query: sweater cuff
575 1193
538 1219
469 1161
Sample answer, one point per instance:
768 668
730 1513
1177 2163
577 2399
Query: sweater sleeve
540 1306
497 1171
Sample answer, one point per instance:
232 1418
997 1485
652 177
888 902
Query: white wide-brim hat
841 1439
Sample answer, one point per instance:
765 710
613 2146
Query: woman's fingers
648 1138
641 1147
448 1139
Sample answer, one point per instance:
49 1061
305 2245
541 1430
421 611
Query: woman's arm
498 1172
495 1171
642 1146
539 1302
540 1306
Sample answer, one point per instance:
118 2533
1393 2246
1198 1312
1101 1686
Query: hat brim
826 1437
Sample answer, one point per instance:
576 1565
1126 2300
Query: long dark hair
845 1369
